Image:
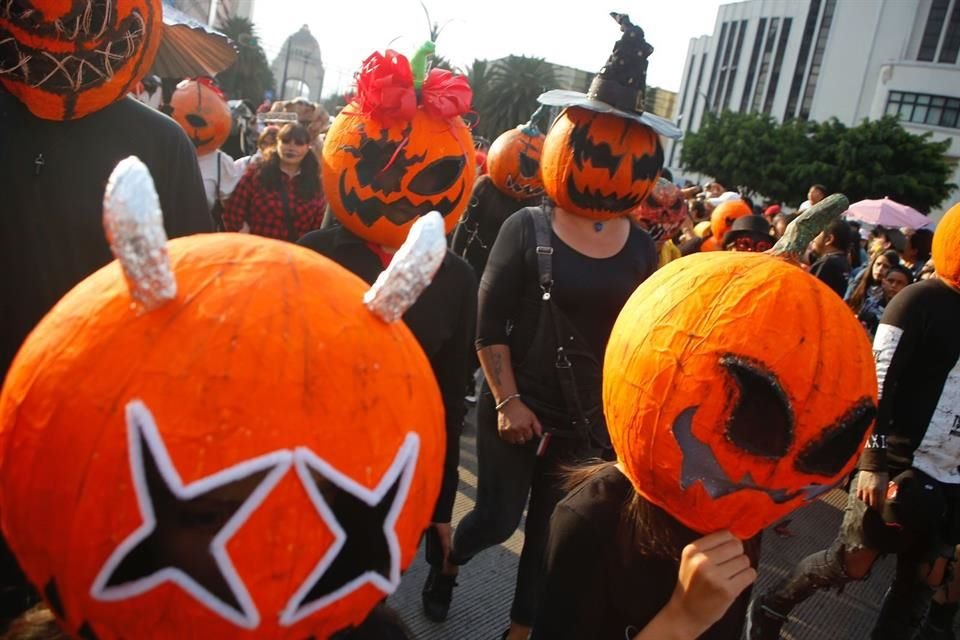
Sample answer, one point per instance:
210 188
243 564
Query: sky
576 33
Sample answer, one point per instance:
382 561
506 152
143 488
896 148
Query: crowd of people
587 304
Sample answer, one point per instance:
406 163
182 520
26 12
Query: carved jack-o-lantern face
946 247
733 417
513 162
203 114
599 165
69 58
662 212
379 179
184 491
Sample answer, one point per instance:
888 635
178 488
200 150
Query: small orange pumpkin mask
203 113
721 221
946 247
737 387
67 59
395 154
599 165
248 460
513 162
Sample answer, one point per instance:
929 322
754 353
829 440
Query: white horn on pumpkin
411 270
133 222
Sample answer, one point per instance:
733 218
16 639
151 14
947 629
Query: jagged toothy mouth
399 212
100 51
522 189
596 200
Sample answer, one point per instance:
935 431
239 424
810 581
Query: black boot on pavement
437 594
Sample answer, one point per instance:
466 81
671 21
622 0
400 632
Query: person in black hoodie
906 497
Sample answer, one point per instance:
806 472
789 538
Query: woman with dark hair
917 251
866 284
893 281
282 197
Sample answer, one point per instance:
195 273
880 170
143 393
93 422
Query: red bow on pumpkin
386 93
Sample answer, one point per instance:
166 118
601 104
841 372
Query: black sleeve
569 591
180 188
501 287
450 368
894 346
832 274
470 219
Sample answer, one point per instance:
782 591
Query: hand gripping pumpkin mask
70 58
212 451
202 111
737 387
400 149
946 247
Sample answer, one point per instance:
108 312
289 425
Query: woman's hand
517 424
872 488
714 571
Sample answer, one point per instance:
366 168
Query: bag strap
542 217
287 216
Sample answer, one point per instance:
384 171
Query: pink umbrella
887 213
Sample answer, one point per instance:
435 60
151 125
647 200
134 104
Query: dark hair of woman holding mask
282 197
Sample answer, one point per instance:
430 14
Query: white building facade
819 59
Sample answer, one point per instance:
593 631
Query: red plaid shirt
253 203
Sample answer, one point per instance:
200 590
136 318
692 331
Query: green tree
508 91
871 160
250 76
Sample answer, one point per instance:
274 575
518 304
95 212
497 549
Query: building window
951 42
696 92
825 21
716 61
931 32
808 30
724 67
734 64
752 69
923 108
765 64
777 63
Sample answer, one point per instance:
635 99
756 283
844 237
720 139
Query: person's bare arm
515 421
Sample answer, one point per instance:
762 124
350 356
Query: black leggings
507 475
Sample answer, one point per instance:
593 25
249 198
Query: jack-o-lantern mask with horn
69 58
737 387
513 161
602 156
400 149
195 445
201 109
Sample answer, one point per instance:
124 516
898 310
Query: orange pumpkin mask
721 221
662 212
946 247
183 492
204 114
737 387
599 165
513 162
395 154
67 59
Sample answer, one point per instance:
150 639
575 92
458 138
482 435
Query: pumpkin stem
411 270
530 128
805 228
133 222
419 63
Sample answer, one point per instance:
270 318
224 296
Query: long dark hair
643 528
307 184
859 295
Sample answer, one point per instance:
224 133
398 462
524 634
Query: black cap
622 82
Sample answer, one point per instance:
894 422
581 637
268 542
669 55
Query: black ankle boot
437 594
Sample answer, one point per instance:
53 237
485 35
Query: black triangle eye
828 455
647 167
762 421
528 166
438 176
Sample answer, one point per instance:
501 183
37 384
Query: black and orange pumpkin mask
400 149
513 161
69 58
184 494
602 156
201 109
737 387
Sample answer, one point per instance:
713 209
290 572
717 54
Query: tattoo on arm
497 368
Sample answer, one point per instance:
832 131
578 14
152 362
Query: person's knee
934 575
858 562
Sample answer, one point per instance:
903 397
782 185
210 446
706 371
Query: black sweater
917 349
442 320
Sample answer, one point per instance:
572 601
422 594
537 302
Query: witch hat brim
564 98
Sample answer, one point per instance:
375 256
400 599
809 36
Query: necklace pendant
598 226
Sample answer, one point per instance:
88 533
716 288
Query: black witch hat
621 85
